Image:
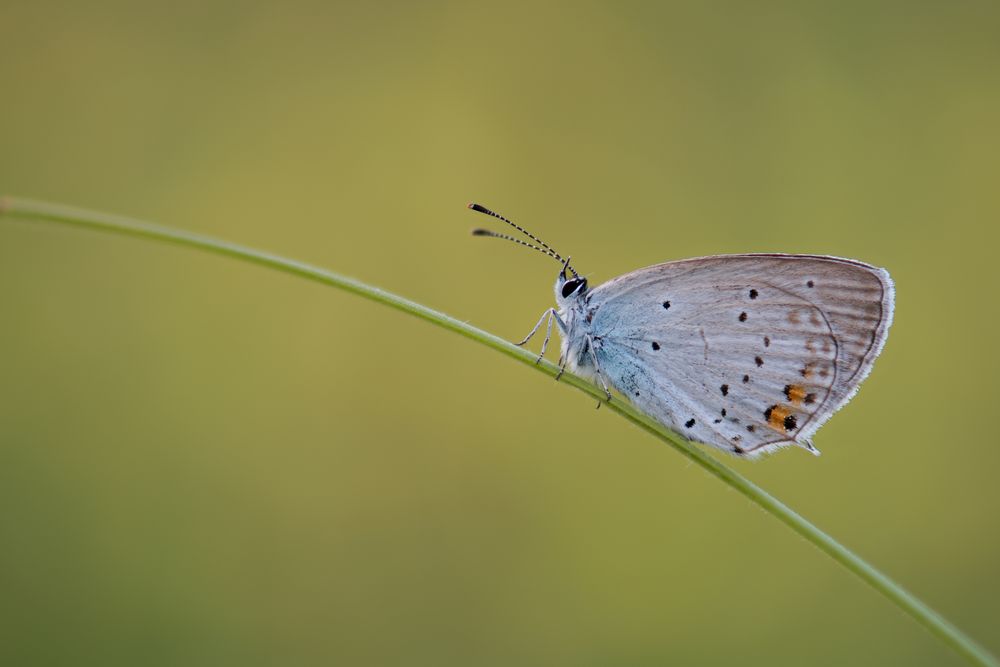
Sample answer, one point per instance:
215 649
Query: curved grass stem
931 620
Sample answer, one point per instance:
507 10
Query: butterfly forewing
744 352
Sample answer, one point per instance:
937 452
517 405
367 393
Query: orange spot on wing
776 418
796 394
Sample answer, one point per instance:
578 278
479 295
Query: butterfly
746 353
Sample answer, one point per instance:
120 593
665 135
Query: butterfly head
569 288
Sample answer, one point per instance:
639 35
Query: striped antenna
542 246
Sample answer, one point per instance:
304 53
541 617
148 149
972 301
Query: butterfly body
747 353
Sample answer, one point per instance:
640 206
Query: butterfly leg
548 313
597 367
548 336
562 367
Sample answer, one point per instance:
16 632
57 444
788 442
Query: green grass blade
934 622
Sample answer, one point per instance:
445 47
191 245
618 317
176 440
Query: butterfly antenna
507 237
542 246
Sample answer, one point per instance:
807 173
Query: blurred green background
204 462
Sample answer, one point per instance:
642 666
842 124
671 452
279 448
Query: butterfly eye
571 286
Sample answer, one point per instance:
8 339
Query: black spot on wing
689 423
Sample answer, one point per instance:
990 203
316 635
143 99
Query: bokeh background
204 462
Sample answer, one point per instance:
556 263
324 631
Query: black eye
571 286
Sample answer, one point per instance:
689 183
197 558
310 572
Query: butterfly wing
743 352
